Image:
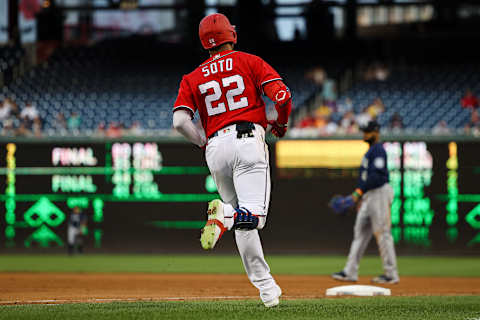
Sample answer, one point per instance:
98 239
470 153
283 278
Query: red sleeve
185 98
263 73
278 92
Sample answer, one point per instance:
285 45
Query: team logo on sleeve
379 163
280 95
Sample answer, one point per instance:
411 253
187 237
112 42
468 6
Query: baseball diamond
31 281
234 159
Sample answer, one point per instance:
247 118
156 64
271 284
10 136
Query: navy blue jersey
77 219
373 171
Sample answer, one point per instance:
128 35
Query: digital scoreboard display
127 188
144 196
437 193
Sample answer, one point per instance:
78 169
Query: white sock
228 212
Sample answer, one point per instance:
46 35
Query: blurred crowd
25 121
328 115
333 117
17 121
470 101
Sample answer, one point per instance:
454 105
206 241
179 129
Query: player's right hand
278 129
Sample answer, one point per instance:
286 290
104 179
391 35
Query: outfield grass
298 265
384 308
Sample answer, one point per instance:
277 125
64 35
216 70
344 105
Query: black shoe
385 279
342 276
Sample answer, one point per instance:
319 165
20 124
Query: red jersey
469 101
227 88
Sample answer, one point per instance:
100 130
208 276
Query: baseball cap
371 126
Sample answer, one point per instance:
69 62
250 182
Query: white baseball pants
240 168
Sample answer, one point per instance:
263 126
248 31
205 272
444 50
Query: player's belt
243 129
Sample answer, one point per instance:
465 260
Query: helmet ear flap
234 33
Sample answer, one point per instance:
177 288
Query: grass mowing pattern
384 308
295 265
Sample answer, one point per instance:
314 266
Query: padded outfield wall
145 195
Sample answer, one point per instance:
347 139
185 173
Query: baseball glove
341 204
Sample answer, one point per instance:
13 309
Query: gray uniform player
77 225
373 216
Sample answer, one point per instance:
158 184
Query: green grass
384 308
297 265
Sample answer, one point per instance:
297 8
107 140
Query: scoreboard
144 196
134 182
436 206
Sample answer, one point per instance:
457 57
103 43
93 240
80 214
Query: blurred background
87 88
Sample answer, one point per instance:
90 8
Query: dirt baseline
23 288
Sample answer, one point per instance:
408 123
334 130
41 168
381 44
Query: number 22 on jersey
230 94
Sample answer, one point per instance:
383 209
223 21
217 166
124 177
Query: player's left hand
278 129
341 204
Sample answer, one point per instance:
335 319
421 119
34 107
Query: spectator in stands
9 117
345 106
321 121
323 111
23 129
28 116
326 85
363 118
14 111
114 130
469 100
29 113
101 131
121 127
381 72
473 126
396 122
73 123
307 122
8 109
329 92
5 109
136 129
441 128
377 107
60 125
376 72
317 75
37 127
331 128
348 124
7 128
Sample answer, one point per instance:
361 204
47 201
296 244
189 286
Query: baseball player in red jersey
227 90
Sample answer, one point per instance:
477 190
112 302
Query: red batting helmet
215 29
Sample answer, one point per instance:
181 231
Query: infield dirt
24 288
